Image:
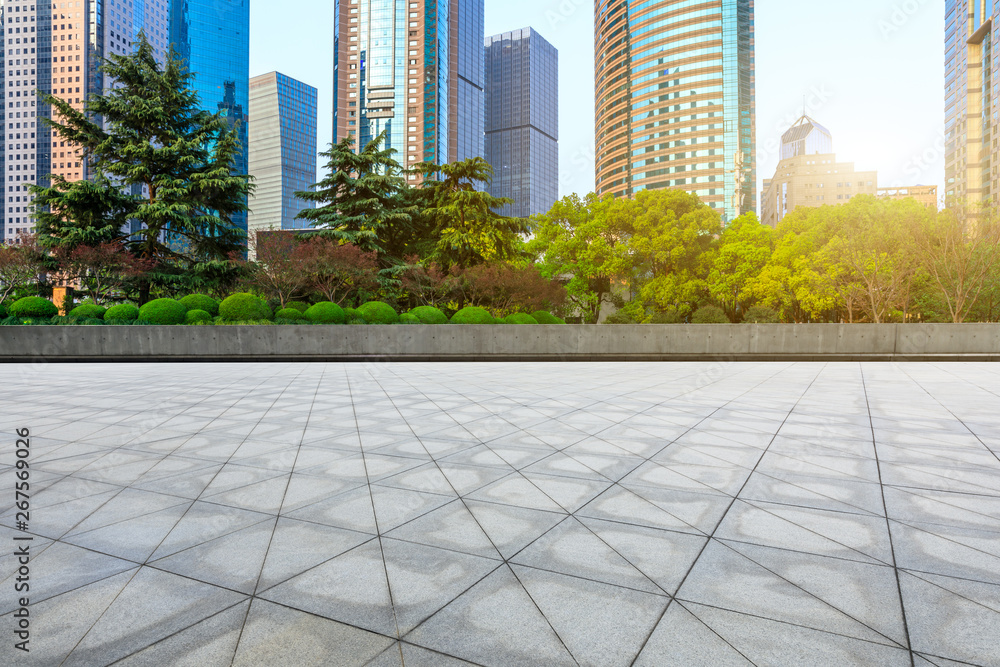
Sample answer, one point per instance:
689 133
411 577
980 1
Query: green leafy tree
362 200
81 213
466 228
153 138
744 249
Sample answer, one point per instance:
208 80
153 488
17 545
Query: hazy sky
871 71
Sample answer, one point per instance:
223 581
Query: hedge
519 318
472 315
33 306
325 312
123 312
201 302
197 315
162 311
376 312
709 315
351 316
545 317
88 311
289 314
409 318
297 305
429 315
242 307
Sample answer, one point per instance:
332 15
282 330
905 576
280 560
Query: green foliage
196 315
201 302
162 311
33 306
290 314
545 317
472 315
620 317
352 316
3 310
89 321
376 312
409 318
667 317
429 315
709 315
761 315
244 306
519 318
326 312
88 311
123 312
298 305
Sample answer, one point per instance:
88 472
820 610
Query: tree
101 269
20 264
743 251
362 200
159 141
339 272
81 213
504 289
277 270
467 229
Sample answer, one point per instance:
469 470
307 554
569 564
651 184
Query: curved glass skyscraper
674 83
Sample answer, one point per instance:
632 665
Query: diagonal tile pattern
508 514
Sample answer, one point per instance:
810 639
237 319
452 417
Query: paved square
506 514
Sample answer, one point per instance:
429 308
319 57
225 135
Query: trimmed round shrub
197 315
289 314
376 312
409 318
244 307
123 312
201 302
352 316
545 317
619 317
297 305
33 306
761 315
162 311
472 315
669 317
88 311
429 315
709 315
325 312
519 318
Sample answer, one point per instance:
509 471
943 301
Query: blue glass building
282 154
522 120
413 70
213 38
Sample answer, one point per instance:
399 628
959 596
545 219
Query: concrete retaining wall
822 342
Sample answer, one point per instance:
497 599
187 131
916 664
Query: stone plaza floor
505 514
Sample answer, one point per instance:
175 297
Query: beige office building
924 194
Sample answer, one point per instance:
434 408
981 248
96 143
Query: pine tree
155 138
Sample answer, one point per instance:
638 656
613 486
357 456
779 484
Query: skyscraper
674 84
213 39
282 149
522 120
58 48
971 155
413 70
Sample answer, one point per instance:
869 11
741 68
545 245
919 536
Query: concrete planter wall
651 342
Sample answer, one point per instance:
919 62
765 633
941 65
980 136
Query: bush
197 315
761 315
123 312
325 312
33 306
88 311
351 316
3 311
376 312
201 302
619 317
409 318
289 314
297 305
669 317
472 315
429 315
519 318
545 317
162 311
709 315
244 307
90 320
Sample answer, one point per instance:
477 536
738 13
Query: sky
870 71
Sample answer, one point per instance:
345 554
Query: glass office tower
522 120
213 38
282 149
674 83
413 70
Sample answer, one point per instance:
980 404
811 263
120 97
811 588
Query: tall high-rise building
213 39
57 48
674 84
411 69
282 149
971 102
522 120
